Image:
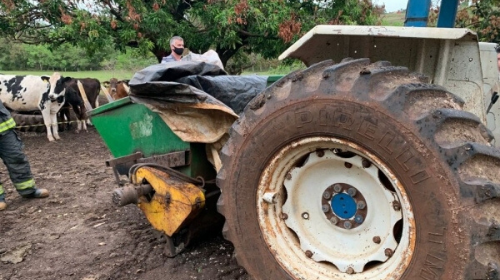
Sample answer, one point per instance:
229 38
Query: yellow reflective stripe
8 124
1 190
25 185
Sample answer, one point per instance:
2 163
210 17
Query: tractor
378 161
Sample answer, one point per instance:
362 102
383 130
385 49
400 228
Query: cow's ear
45 78
106 83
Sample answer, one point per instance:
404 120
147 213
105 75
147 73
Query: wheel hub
328 209
344 206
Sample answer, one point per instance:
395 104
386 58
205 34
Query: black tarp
173 83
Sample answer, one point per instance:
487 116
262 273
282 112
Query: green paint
127 128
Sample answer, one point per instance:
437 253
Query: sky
392 5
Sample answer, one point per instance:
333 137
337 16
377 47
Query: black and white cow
31 93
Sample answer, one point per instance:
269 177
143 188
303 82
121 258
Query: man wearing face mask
177 47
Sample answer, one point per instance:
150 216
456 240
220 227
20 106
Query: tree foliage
229 26
481 16
17 56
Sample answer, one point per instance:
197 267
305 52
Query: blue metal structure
447 13
417 13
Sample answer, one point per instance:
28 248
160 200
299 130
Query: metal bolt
347 225
288 176
350 270
366 163
305 215
376 239
320 153
337 188
396 205
358 219
388 252
325 208
347 164
361 204
327 195
284 216
334 220
309 254
351 191
168 198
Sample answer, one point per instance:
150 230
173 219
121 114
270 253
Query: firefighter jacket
6 120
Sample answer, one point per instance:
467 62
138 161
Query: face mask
178 51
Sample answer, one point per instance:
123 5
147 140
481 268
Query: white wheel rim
292 199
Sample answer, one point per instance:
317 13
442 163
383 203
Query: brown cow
117 89
92 88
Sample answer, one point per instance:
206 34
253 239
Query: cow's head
113 86
57 85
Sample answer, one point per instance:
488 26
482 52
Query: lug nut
396 206
361 204
366 163
376 239
325 208
350 270
334 220
388 252
347 225
309 254
305 216
351 191
320 153
337 188
327 195
288 176
347 164
284 216
358 219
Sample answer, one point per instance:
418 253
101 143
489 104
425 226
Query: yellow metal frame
174 202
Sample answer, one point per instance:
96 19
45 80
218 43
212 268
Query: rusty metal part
320 153
348 165
174 159
396 205
309 254
376 239
389 252
284 216
130 194
350 270
276 232
174 203
366 163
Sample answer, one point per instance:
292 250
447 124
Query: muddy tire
361 171
29 122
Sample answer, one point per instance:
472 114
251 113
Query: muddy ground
77 233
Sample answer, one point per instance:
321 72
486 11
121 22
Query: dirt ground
77 233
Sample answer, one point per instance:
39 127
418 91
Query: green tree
481 16
228 26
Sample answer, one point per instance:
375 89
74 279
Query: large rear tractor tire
361 171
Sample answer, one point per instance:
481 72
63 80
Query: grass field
393 19
100 75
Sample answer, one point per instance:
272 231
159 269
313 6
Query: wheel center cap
343 205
